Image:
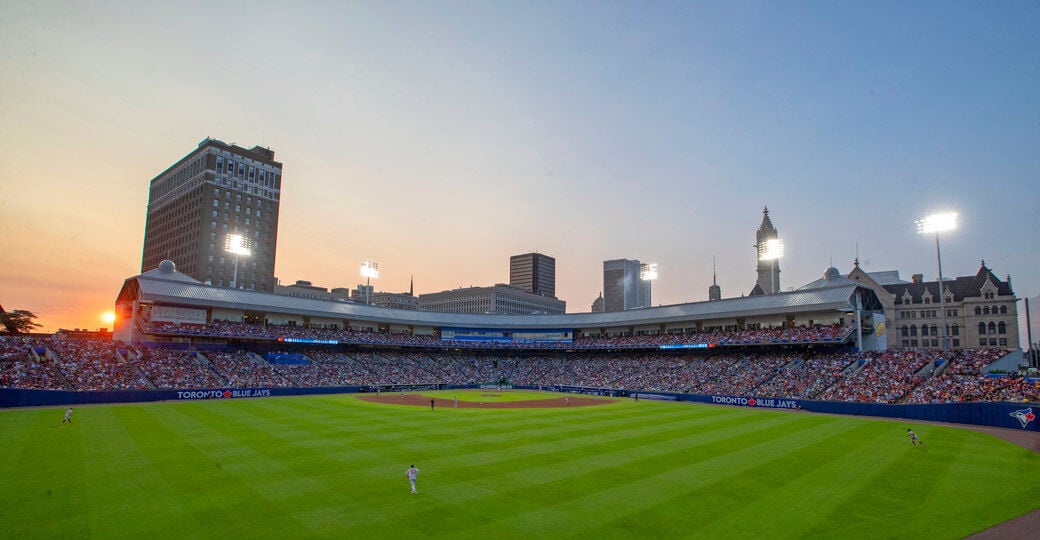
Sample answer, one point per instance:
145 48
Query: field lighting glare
771 250
937 223
236 244
369 269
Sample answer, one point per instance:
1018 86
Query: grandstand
177 334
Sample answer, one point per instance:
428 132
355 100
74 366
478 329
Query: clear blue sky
439 138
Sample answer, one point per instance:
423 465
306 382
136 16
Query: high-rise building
215 192
714 291
533 272
622 286
768 269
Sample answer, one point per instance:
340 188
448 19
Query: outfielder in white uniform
412 473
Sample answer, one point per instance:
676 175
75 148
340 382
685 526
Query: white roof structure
167 286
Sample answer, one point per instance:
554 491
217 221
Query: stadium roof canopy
167 286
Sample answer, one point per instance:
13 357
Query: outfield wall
1005 415
17 397
1023 416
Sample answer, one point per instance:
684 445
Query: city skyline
440 143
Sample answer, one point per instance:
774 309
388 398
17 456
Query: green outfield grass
333 466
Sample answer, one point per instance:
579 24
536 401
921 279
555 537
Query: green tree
18 321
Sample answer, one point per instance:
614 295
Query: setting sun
108 317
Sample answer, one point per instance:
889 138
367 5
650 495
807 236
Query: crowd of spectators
242 370
169 369
896 376
91 364
15 348
964 380
228 329
883 377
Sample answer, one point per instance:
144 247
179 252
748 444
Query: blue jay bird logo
1024 416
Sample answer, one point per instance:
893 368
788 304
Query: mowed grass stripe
928 489
622 493
287 474
281 473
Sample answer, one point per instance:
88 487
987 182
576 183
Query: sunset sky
439 138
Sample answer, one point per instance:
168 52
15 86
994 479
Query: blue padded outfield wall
15 397
1006 415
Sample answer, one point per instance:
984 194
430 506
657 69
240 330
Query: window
913 342
927 300
238 208
212 224
982 342
216 203
210 257
913 332
992 342
904 331
906 342
956 343
1003 310
935 343
249 210
258 212
982 329
247 221
1003 342
935 330
978 310
924 329
955 330
1001 328
216 192
214 213
985 310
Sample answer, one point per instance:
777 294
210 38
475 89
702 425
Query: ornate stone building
768 270
981 310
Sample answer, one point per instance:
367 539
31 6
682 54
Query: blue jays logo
1024 416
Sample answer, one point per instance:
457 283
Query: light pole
648 273
772 250
369 270
937 223
237 245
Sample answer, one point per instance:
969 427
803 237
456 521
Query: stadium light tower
237 245
772 250
369 270
648 273
937 223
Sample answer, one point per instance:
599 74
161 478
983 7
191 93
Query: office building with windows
196 204
533 272
622 286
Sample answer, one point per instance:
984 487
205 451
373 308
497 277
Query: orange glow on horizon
108 317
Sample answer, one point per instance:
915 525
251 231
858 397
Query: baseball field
334 466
